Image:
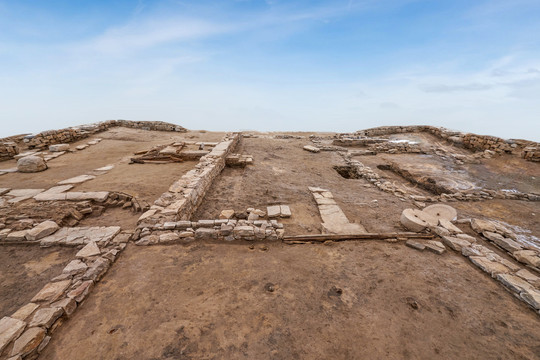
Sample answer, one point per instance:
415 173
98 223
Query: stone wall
471 141
187 193
8 150
531 153
72 134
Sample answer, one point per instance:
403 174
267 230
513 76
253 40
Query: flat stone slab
46 228
312 149
25 311
91 249
99 196
10 329
22 194
77 179
491 267
46 317
52 291
4 191
105 168
28 341
81 235
58 189
58 147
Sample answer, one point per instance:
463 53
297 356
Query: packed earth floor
134 240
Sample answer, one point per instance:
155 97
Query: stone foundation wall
186 194
8 150
531 153
471 141
72 134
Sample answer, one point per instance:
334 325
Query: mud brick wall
72 134
8 150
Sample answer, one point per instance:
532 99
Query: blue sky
272 65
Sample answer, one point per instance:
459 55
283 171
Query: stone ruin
431 224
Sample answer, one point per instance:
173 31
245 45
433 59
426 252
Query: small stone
455 243
205 234
28 341
97 269
529 257
523 273
469 238
253 217
58 147
67 304
481 226
46 317
506 243
77 179
531 297
75 267
312 149
226 214
415 245
46 228
89 250
514 283
17 235
31 164
82 291
435 246
273 211
285 211
449 226
52 291
25 311
169 237
491 267
10 329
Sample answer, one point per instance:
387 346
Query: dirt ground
347 300
24 270
355 300
281 174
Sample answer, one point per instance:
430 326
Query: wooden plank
365 236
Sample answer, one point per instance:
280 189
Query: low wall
72 134
186 194
531 153
8 150
471 141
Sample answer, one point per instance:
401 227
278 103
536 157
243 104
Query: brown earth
349 300
24 270
355 300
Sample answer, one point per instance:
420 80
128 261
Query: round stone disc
441 211
417 220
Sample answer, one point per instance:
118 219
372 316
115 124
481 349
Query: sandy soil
24 270
355 300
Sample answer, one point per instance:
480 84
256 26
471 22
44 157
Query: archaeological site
145 240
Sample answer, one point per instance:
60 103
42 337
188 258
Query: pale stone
25 311
226 214
89 250
455 243
469 238
205 233
273 211
77 179
531 297
58 147
312 149
449 226
169 237
441 211
491 267
285 211
17 235
31 164
526 275
97 269
146 215
416 220
507 244
81 235
58 189
52 291
75 267
105 168
46 228
10 329
514 283
81 147
46 317
415 245
481 226
529 257
67 304
28 341
435 246
4 191
82 291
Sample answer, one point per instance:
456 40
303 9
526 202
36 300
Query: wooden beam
365 236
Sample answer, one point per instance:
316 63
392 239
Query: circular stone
441 211
417 220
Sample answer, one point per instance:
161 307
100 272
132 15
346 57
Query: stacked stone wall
531 153
72 134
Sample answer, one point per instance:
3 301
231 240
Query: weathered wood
365 236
